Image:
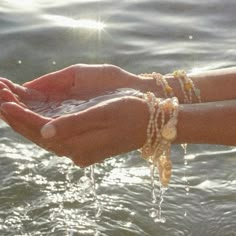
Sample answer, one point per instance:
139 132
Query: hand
107 129
75 82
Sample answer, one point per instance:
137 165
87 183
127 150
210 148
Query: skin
117 125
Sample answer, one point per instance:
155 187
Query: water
37 194
156 212
56 109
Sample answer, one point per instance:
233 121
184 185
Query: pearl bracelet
159 137
161 81
187 86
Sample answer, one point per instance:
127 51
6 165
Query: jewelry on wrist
186 84
161 132
161 82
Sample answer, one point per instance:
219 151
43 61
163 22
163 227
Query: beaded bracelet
167 89
187 86
157 146
161 81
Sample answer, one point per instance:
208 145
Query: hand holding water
90 138
116 125
86 137
75 82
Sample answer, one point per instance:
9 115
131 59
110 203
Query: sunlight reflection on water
73 23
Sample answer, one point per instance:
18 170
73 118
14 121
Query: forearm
208 123
215 85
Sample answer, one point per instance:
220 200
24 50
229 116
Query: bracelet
159 138
161 81
167 89
187 86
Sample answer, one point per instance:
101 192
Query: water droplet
99 210
19 62
160 220
85 182
184 146
132 213
153 213
185 179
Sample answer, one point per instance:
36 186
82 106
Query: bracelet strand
186 84
159 137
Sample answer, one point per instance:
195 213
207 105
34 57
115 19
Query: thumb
74 124
60 127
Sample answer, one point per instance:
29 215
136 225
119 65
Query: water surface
41 194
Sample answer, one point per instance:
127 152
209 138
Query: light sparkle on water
75 23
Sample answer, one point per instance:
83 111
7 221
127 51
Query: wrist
147 84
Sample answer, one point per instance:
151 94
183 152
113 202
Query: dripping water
185 178
97 203
57 109
156 211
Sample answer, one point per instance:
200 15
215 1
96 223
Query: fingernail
48 131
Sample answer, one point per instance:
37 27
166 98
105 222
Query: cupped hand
106 129
79 81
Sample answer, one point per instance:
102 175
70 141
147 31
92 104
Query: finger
75 124
15 88
23 121
7 96
3 86
22 92
19 90
7 84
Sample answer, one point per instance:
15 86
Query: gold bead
169 89
188 86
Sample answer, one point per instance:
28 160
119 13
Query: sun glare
73 23
23 4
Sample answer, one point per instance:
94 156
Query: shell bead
161 131
169 133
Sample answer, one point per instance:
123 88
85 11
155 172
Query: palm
75 82
86 137
20 108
